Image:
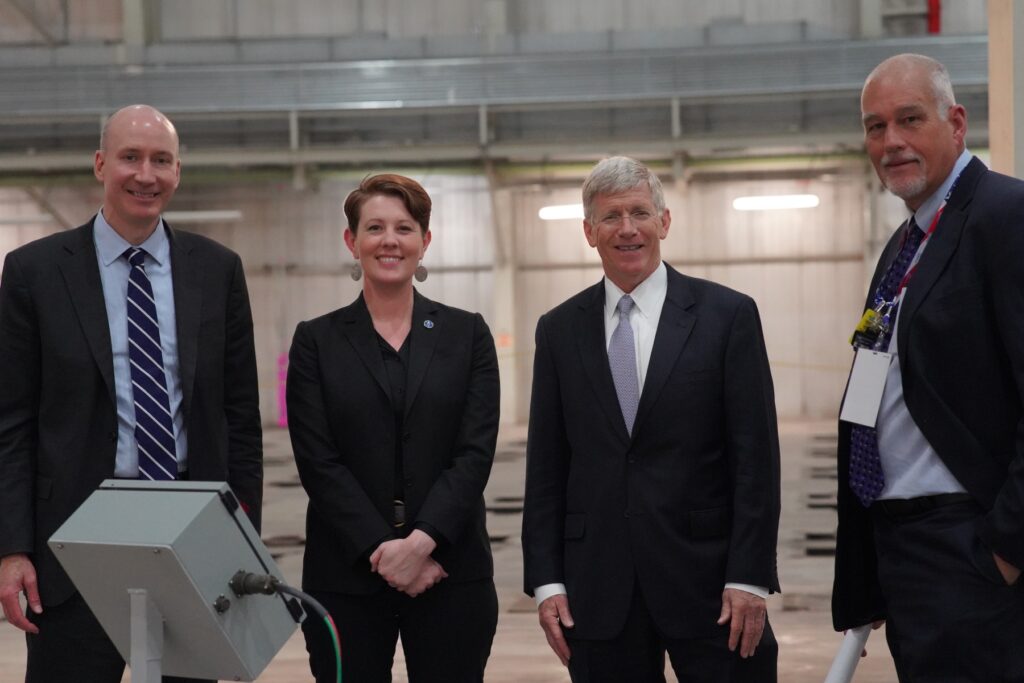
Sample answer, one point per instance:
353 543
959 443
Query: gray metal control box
181 542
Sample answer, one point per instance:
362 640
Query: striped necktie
867 479
154 428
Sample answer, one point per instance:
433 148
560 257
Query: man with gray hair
931 474
652 484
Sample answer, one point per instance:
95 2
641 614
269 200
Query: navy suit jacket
961 346
686 504
58 413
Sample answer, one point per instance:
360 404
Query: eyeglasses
616 221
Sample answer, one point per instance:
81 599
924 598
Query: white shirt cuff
759 591
542 593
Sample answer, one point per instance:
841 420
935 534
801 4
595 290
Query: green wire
337 645
319 609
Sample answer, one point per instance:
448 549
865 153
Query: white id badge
864 390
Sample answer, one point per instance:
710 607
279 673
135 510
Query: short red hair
412 194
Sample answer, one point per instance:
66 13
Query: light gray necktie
622 361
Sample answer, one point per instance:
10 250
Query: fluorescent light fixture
561 212
773 202
214 216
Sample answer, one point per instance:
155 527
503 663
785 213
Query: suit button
405 437
113 436
632 460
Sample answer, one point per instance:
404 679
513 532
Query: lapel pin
429 324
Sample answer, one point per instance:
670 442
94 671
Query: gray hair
942 85
620 174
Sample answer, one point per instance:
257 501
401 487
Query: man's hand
875 625
17 575
1009 572
405 563
554 614
745 614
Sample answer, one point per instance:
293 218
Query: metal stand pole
147 638
848 655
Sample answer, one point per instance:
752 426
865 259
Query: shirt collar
645 295
110 246
925 213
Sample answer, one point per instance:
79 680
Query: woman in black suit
393 412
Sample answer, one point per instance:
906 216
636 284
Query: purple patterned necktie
866 477
622 361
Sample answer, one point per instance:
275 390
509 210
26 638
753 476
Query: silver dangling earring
421 272
357 272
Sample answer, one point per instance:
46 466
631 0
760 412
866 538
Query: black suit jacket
58 419
343 434
687 504
960 341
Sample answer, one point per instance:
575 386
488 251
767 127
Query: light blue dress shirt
912 467
114 269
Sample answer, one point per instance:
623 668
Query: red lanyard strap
917 257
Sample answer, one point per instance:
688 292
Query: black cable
304 597
248 583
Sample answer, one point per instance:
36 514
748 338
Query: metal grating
813 69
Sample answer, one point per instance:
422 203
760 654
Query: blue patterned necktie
622 361
866 476
154 428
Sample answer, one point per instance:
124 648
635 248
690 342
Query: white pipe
845 662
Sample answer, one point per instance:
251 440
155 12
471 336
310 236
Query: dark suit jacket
58 419
961 346
687 504
343 434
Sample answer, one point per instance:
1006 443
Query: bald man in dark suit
73 408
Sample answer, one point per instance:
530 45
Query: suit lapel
188 306
81 274
426 329
674 328
940 248
594 355
356 326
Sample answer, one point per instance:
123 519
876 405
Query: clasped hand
406 564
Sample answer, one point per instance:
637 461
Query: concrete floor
520 654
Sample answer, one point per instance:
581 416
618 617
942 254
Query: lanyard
920 249
875 325
927 235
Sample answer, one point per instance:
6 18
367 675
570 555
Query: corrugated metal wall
176 20
804 268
